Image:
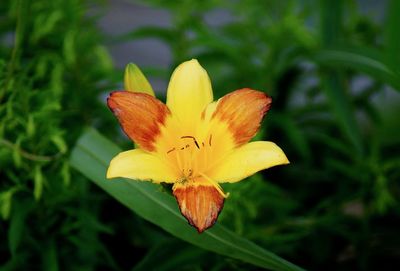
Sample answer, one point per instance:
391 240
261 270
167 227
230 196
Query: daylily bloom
192 142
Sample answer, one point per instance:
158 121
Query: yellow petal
247 160
135 80
189 92
140 165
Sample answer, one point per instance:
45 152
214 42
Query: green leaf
331 12
30 126
360 59
50 258
91 157
6 202
65 174
342 108
60 143
16 153
178 256
38 183
392 37
17 225
294 134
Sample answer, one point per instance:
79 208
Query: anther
194 139
209 141
171 150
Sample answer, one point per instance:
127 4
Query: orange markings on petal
140 116
243 111
200 204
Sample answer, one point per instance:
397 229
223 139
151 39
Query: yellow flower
192 142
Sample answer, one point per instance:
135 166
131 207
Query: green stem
27 155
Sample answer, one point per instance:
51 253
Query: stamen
192 161
194 139
215 184
186 161
178 159
171 150
209 141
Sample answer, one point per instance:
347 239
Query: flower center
191 159
191 156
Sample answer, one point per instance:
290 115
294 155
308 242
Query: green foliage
50 77
333 73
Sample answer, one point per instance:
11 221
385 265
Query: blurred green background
331 66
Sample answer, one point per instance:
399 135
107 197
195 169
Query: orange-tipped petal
140 115
200 204
243 111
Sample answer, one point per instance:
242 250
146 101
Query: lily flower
192 142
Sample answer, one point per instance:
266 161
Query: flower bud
135 80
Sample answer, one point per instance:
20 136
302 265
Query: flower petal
243 111
247 160
140 165
189 92
200 204
140 115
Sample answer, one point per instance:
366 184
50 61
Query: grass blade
392 37
361 60
343 110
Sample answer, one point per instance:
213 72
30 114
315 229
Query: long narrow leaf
360 60
91 157
392 37
342 108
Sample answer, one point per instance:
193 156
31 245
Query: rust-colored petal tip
140 115
243 111
200 204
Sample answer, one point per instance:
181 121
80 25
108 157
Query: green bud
135 80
